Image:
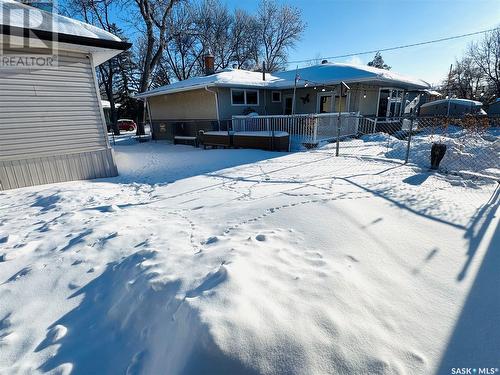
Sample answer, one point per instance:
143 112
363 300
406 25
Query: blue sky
341 26
337 27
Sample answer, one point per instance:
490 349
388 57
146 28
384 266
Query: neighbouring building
52 125
452 107
494 108
209 102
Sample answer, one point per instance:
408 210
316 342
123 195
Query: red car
126 125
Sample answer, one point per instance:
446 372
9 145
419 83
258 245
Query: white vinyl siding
46 112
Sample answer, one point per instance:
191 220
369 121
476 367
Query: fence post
315 129
409 141
337 148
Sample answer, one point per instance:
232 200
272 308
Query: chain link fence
467 146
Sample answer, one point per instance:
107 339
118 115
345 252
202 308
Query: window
238 97
244 97
252 97
276 96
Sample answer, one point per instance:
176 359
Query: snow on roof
334 73
323 74
433 92
468 102
12 14
227 77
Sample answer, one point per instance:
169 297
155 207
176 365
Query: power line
395 48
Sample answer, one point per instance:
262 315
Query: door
328 103
390 103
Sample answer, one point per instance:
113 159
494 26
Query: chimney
324 62
209 64
263 70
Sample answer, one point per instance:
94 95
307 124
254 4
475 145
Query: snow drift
250 262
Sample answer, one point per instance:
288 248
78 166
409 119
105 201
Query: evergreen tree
378 62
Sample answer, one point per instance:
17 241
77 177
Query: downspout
216 103
148 109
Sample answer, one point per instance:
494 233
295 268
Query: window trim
392 88
334 95
246 100
244 97
272 99
245 104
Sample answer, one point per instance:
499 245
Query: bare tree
245 45
465 79
281 27
213 23
183 53
155 15
97 12
486 56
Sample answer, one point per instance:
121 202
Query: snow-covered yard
251 262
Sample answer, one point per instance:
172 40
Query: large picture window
244 97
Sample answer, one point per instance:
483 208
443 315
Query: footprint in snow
353 259
54 335
212 280
260 237
5 325
18 275
211 240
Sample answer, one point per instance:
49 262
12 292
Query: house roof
323 74
54 27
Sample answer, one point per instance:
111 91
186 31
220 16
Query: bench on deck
185 140
216 138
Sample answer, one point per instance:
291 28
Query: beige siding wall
188 105
365 106
50 113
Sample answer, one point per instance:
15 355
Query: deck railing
304 129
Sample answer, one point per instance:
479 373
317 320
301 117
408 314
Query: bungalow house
209 102
52 125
